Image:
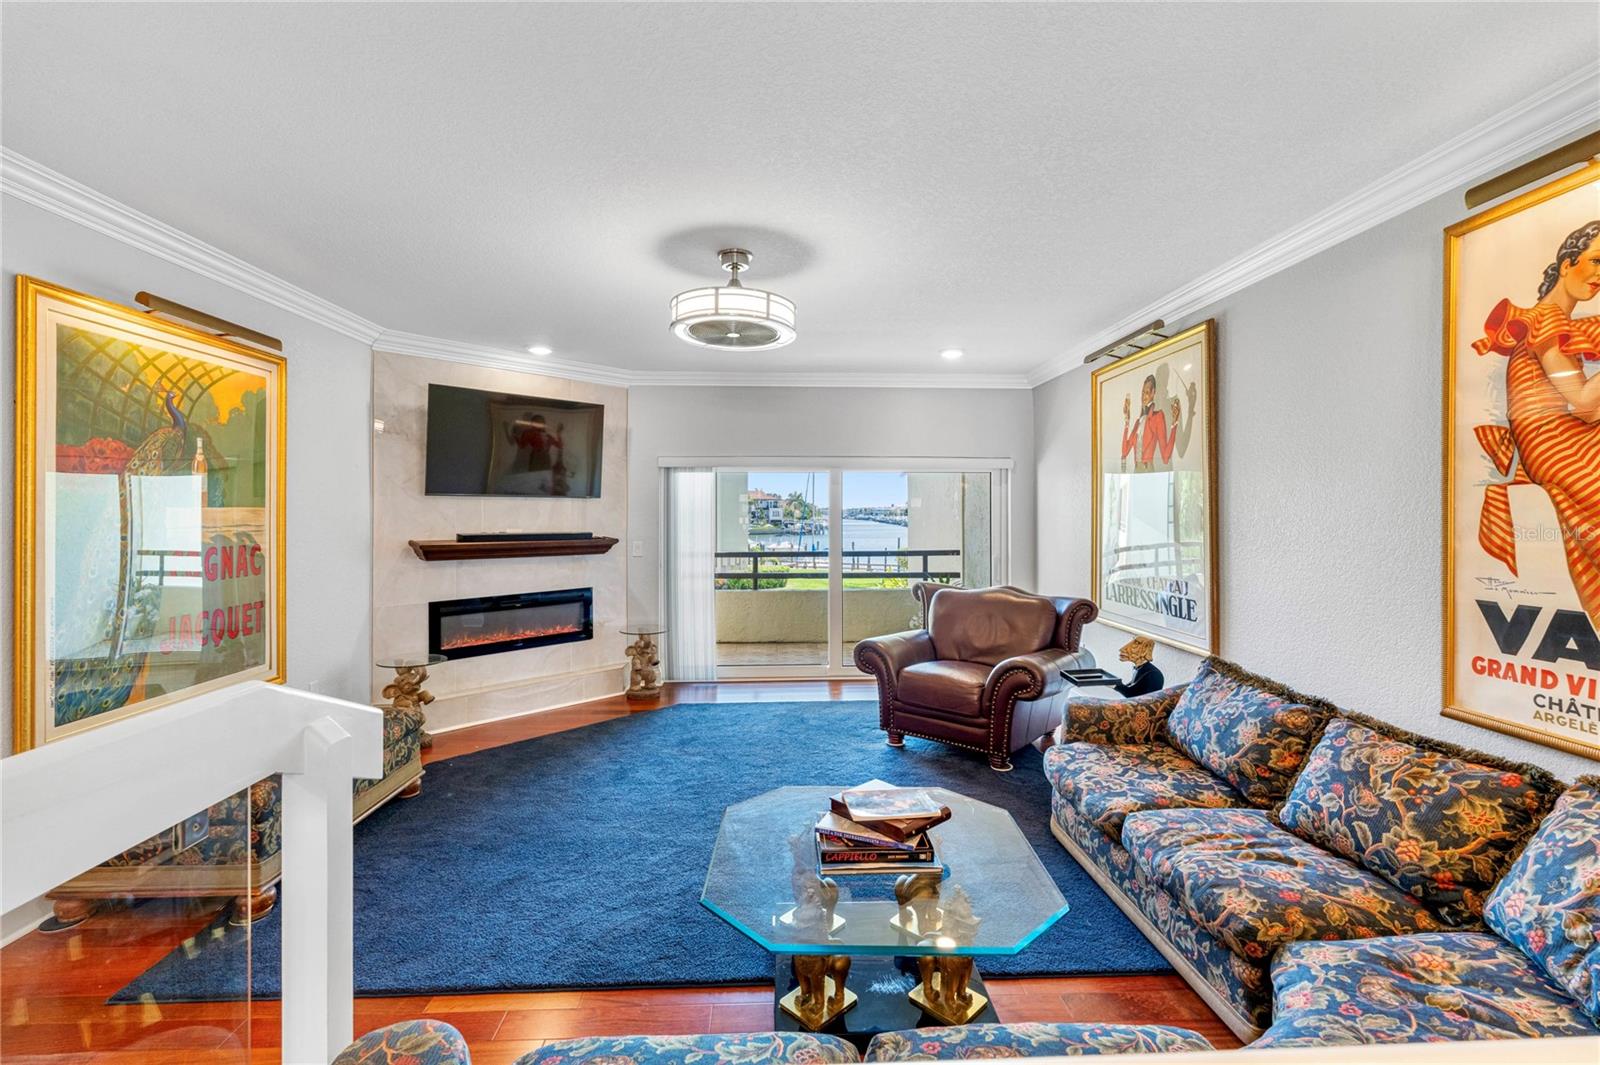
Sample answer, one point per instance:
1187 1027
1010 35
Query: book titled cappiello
879 828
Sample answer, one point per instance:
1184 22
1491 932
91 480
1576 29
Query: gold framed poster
148 548
1155 491
1522 466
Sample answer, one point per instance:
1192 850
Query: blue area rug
576 860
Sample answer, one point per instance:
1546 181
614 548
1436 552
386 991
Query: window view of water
859 535
775 608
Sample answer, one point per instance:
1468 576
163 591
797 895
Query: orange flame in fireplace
479 639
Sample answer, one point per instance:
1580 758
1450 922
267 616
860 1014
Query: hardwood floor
53 989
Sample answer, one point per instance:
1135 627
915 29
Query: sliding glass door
811 560
904 528
772 570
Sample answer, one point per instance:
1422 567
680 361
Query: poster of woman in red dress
1522 582
1155 501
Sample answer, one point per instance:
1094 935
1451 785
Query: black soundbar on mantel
480 538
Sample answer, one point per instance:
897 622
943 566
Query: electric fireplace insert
466 628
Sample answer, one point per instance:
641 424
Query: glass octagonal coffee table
912 938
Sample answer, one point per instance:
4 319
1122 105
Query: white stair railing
67 806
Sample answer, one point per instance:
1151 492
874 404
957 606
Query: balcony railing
66 806
771 566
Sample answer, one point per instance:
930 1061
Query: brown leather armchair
984 671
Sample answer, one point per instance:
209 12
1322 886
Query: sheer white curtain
689 544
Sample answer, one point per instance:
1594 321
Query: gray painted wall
1329 444
329 549
811 422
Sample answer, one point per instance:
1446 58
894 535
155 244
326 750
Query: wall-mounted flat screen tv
499 444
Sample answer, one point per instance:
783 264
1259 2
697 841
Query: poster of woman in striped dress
1522 654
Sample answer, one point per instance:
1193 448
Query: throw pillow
1246 729
1439 827
1548 905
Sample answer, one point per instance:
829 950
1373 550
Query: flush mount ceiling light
951 354
731 316
541 349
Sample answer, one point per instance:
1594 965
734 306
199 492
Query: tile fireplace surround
533 676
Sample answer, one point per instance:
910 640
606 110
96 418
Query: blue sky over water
862 488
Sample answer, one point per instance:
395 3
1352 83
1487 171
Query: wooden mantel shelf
456 550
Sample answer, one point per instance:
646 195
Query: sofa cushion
989 625
1256 887
1090 718
1413 989
954 687
1242 986
1106 784
1441 828
1251 732
421 1042
1029 1040
1548 904
750 1048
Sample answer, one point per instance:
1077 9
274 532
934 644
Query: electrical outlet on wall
637 549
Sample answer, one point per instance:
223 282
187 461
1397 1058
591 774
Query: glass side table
405 692
911 939
645 679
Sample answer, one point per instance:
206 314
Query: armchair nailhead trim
938 739
1011 708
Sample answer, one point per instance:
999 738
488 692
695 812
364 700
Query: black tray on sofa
1088 678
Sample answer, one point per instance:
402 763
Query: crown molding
36 184
1564 108
397 343
825 379
33 183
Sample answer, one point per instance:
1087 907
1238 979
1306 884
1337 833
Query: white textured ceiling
1009 179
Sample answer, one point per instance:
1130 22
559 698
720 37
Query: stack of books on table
879 828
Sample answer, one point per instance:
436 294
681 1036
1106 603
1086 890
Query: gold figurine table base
821 996
883 1000
946 990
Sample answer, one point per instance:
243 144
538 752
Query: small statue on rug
1147 677
645 682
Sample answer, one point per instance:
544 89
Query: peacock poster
150 456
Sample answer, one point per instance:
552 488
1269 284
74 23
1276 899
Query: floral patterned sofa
1533 971
427 1042
1322 877
233 847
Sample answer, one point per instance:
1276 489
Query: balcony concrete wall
783 615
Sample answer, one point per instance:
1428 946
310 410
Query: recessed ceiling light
951 354
541 349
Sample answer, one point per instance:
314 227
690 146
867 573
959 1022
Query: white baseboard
24 919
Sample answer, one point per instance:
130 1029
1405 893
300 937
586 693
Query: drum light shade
731 316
